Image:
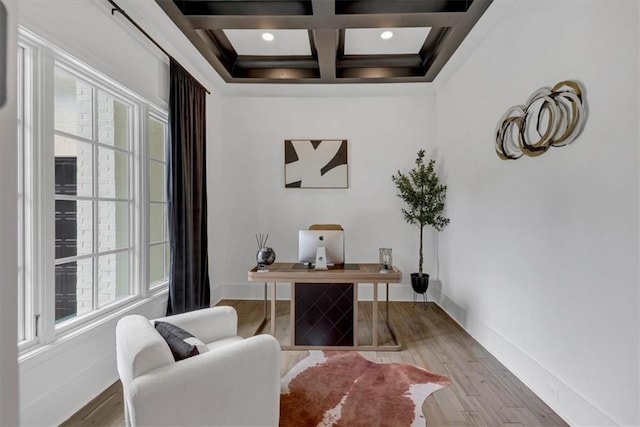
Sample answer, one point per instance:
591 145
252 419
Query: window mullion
142 195
96 205
46 198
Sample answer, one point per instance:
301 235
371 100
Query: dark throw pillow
182 344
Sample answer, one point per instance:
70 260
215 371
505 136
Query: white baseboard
216 295
574 408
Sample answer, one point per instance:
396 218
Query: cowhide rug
342 388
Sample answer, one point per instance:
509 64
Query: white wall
60 379
246 179
8 236
540 261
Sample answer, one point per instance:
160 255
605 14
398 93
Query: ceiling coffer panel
326 23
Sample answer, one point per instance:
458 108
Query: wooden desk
352 273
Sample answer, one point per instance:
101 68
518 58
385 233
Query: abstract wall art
315 163
551 117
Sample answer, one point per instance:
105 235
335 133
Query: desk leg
292 315
273 308
393 334
266 312
355 315
266 300
387 305
375 314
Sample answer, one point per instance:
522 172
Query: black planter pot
419 284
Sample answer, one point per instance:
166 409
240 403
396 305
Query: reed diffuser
265 255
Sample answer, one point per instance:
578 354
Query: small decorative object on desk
386 265
265 255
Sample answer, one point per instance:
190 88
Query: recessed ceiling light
267 36
386 35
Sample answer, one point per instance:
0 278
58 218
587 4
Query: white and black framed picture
316 163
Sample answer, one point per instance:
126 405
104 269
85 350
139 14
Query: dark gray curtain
187 194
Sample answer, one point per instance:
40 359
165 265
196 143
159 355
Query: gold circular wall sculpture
550 118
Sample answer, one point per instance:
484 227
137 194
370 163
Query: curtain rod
117 8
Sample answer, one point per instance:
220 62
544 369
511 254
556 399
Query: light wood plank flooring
483 392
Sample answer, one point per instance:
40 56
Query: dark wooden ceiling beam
400 6
364 75
392 20
325 39
430 48
304 7
233 7
220 46
289 62
381 61
326 42
276 75
282 79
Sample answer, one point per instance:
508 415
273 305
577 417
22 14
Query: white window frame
30 231
24 106
162 117
39 221
97 86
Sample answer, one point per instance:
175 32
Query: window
92 206
93 196
158 224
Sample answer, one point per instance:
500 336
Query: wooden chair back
325 227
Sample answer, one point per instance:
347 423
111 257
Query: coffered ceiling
326 41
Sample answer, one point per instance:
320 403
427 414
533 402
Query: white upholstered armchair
235 383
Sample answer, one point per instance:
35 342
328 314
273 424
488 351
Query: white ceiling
285 42
367 41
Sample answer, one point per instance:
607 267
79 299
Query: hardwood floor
483 392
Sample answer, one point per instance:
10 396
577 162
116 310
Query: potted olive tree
424 196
